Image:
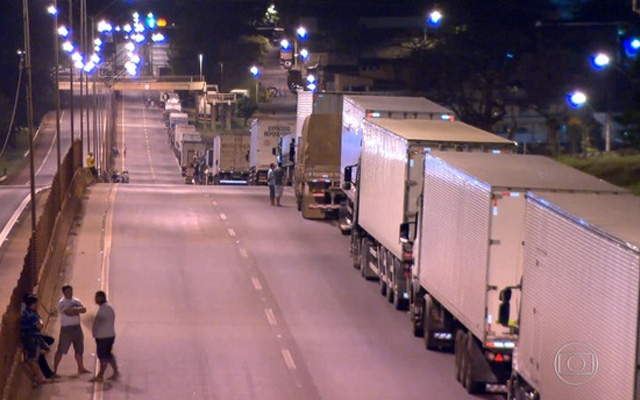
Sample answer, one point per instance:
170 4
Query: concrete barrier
41 266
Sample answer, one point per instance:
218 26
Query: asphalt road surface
45 161
219 295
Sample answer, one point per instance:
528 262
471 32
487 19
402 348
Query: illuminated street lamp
63 31
576 99
200 58
284 43
600 61
304 54
52 10
255 71
433 19
302 33
67 46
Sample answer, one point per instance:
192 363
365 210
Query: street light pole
32 177
200 58
54 12
71 72
221 74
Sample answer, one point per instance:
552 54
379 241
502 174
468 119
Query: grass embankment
620 170
13 158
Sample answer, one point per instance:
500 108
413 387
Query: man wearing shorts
70 309
105 334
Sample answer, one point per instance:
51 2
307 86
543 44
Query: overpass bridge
162 84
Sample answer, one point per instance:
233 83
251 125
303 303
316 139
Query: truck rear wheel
460 338
468 381
399 302
383 288
427 322
417 323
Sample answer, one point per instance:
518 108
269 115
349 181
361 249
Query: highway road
13 193
219 295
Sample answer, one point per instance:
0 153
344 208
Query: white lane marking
215 204
104 271
271 317
223 217
244 253
288 359
16 214
53 141
26 154
232 233
256 283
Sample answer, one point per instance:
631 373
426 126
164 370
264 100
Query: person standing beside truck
278 175
271 182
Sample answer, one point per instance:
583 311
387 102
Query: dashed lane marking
271 317
244 253
231 232
288 359
256 283
223 217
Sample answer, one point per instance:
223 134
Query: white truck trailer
231 158
265 139
355 110
469 254
579 307
390 184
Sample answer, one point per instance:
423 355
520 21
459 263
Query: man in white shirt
105 334
70 309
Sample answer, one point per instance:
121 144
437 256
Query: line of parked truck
526 269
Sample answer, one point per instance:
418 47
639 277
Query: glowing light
302 33
576 99
135 59
157 37
130 46
52 10
435 17
138 37
151 21
96 48
67 46
136 17
312 87
63 31
89 66
304 53
600 60
118 29
104 26
78 64
255 71
76 56
161 22
95 58
127 28
311 79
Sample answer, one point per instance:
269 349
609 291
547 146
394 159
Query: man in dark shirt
30 331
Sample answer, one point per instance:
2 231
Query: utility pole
32 177
71 73
81 93
57 79
85 47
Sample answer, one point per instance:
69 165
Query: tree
245 108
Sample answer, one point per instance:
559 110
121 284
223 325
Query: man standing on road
278 174
105 334
271 182
70 309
